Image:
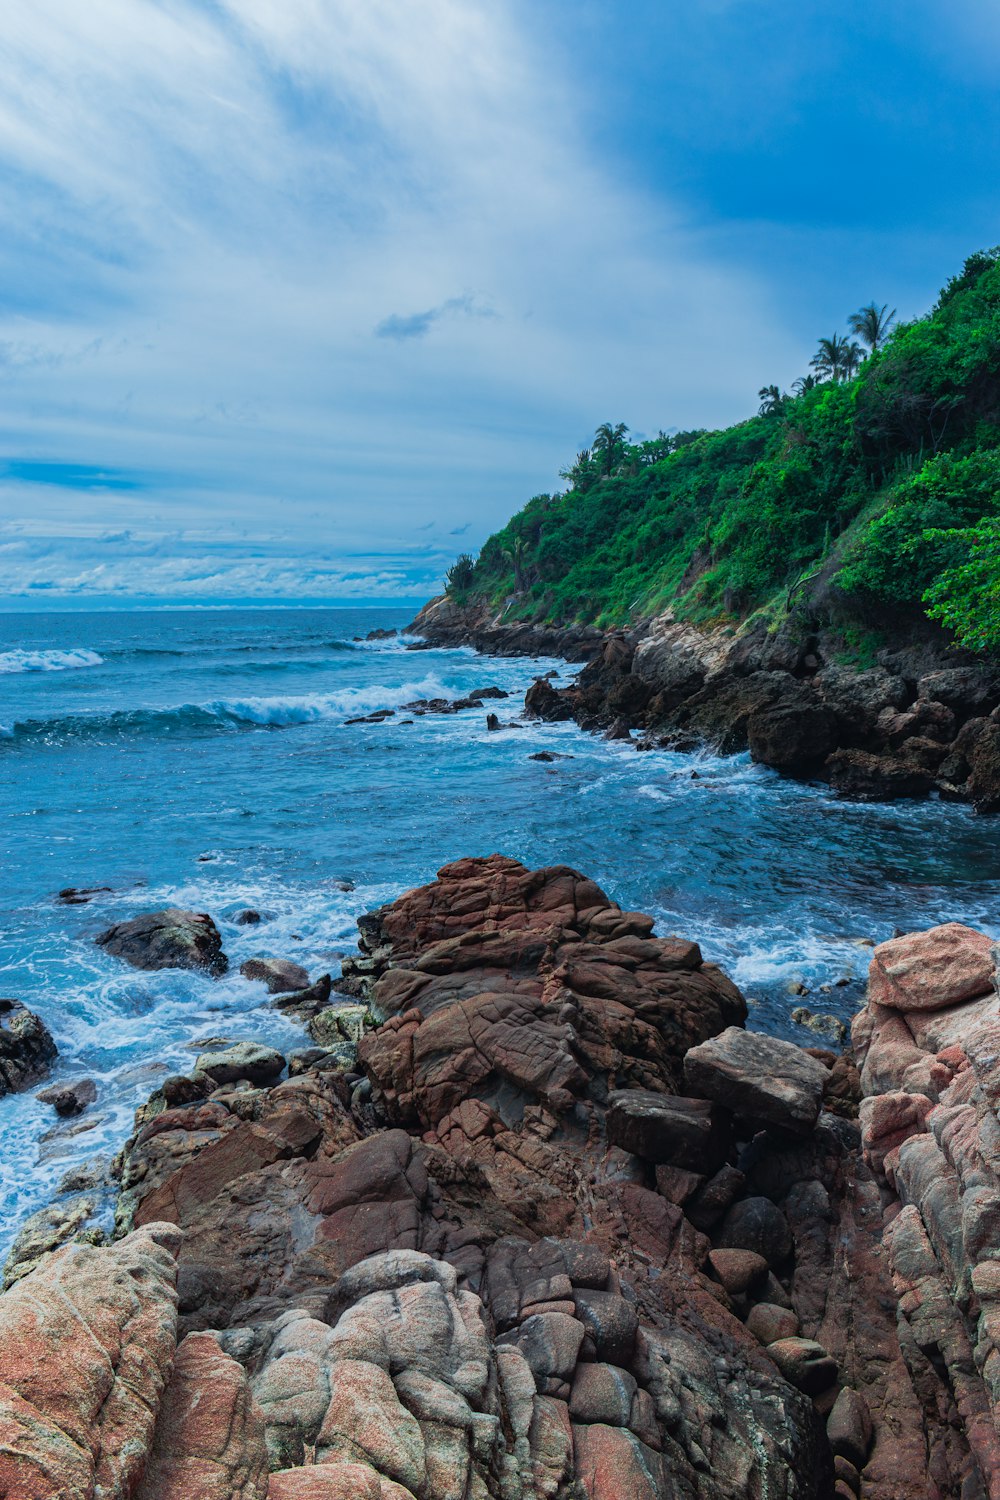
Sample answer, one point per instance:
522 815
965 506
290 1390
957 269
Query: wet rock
70 1098
543 701
26 1047
46 1231
244 1060
168 939
81 895
689 1133
759 1078
757 1224
862 776
796 733
305 1003
823 1025
279 974
248 917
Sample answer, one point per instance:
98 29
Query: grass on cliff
870 497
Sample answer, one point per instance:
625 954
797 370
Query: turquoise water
201 758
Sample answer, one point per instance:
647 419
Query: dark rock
77 895
26 1047
543 701
863 777
805 1364
968 691
248 917
737 1270
489 692
168 939
710 1203
611 1323
758 1077
688 1133
305 1003
984 769
796 733
279 974
757 1224
492 722
849 1428
72 1098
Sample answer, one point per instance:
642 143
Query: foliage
966 596
854 493
460 575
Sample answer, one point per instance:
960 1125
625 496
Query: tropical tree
853 356
828 361
515 555
609 445
804 383
770 400
460 574
872 324
578 471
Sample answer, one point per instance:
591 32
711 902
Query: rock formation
555 1228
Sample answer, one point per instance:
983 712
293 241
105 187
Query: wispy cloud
210 205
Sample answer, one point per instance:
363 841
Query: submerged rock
70 1098
168 939
279 974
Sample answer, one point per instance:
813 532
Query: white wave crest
48 661
310 708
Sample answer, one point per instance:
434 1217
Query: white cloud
215 209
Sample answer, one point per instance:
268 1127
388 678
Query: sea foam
48 661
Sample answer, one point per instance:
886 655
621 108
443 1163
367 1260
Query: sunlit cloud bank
327 272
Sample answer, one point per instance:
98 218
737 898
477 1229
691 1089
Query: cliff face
921 719
555 1225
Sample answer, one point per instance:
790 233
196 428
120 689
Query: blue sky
301 300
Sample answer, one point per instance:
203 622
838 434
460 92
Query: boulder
249 1060
933 969
737 1270
965 690
863 777
984 769
26 1047
849 1428
760 1078
168 939
757 1224
795 734
279 974
664 1128
543 701
70 1098
768 1322
804 1363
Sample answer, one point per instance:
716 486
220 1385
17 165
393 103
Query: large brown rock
688 1133
168 939
760 1078
933 969
86 1344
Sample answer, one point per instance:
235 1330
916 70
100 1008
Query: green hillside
873 494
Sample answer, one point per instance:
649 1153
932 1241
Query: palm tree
872 324
770 400
608 442
853 355
515 555
828 361
804 383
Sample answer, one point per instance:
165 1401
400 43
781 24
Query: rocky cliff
553 1224
920 719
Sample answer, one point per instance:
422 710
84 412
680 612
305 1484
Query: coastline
536 1210
920 720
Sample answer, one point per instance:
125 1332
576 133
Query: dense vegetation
871 492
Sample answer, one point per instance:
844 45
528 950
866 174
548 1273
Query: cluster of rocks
923 719
559 1229
421 706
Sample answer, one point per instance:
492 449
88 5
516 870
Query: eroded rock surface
563 1232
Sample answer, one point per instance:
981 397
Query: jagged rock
279 974
247 1060
168 939
305 1003
26 1047
543 701
796 733
758 1077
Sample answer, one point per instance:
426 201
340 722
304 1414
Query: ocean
204 758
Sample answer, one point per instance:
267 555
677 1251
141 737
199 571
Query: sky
299 301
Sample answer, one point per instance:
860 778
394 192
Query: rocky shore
536 1216
922 719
